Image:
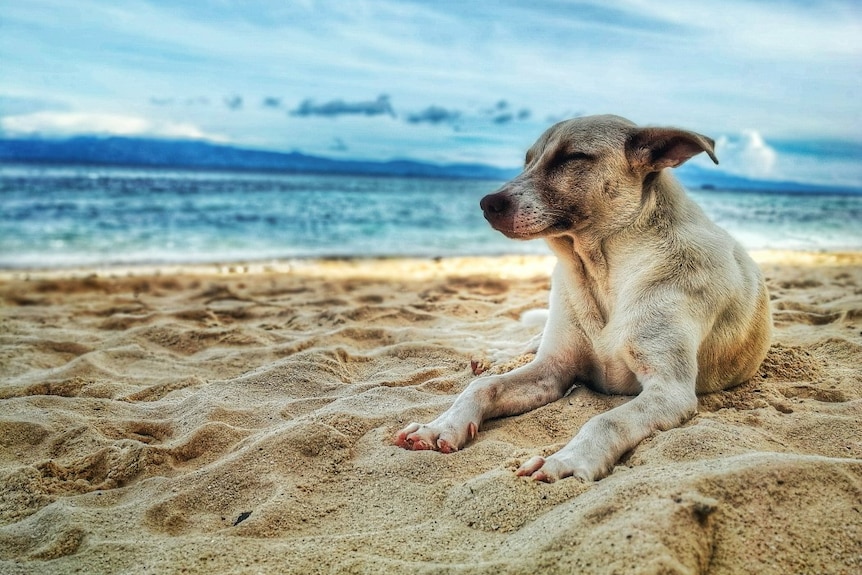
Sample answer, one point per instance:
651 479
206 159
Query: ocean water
94 216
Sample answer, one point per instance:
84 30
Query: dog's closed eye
566 157
575 156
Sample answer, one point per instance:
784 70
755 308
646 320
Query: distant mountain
696 177
189 154
119 151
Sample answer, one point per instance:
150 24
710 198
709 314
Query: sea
73 216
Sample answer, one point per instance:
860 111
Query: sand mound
202 422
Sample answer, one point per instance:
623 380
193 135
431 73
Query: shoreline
507 265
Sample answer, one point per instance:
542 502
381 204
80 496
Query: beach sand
239 419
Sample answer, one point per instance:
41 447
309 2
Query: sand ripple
193 422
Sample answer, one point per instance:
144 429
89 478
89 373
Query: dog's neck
588 252
663 200
586 263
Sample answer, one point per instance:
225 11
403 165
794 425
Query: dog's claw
446 447
531 467
551 469
541 476
418 445
477 367
403 439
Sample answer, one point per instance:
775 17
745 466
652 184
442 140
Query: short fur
649 297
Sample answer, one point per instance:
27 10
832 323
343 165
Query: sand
239 419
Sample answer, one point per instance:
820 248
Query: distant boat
707 186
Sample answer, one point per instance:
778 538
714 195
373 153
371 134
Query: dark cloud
503 113
380 106
271 102
233 102
434 115
501 107
506 116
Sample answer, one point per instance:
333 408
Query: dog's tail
535 317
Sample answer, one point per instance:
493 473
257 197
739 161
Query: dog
648 297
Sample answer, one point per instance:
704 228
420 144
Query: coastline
423 267
507 265
238 418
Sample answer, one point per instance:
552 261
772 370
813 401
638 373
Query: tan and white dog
649 297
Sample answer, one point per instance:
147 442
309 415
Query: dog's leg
605 438
667 400
518 391
532 318
547 378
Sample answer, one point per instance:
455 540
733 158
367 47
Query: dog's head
588 172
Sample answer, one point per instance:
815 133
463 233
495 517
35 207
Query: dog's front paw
445 439
553 468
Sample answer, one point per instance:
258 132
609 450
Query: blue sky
778 84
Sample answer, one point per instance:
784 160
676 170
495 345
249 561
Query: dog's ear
653 149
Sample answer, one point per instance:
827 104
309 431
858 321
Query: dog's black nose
495 204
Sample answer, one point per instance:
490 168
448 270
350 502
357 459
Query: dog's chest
595 312
589 301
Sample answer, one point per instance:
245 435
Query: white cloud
76 123
746 154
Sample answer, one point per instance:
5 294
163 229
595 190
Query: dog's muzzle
507 213
497 209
